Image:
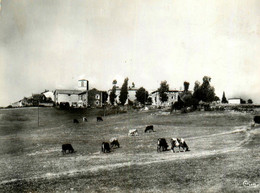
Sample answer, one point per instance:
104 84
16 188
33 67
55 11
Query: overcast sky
47 44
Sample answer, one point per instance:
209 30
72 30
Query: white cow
133 132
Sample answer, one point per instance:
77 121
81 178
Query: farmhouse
96 98
172 98
48 94
17 104
75 98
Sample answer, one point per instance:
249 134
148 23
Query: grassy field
224 156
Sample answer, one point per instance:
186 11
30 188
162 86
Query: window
97 96
97 102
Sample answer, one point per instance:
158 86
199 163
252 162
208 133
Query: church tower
83 85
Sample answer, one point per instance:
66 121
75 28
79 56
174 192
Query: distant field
224 156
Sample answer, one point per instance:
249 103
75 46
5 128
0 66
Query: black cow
149 128
257 119
75 121
162 145
114 142
99 119
84 119
105 148
68 147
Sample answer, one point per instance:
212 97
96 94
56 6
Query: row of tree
141 93
201 92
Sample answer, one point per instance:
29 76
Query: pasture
224 154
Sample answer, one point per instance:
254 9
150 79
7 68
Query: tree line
202 92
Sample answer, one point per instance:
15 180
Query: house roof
233 98
61 91
167 91
46 91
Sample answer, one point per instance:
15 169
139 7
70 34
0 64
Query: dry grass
224 152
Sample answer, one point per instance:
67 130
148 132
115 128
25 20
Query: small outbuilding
235 101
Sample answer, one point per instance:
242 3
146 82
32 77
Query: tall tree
114 82
104 97
186 86
204 92
164 87
141 95
249 101
124 92
224 100
112 95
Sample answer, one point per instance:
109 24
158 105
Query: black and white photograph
129 96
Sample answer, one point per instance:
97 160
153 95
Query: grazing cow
162 145
114 142
99 119
84 119
183 144
133 132
180 143
75 121
257 119
68 147
105 148
149 128
175 143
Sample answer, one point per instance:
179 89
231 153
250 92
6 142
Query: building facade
172 98
234 101
96 98
48 94
75 98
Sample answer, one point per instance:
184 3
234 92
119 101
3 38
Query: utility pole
38 115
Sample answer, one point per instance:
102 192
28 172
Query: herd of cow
161 143
113 142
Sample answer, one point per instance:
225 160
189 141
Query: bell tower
83 85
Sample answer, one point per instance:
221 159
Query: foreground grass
223 153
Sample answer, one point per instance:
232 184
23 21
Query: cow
257 119
133 132
161 145
183 144
75 121
180 143
99 119
149 128
175 143
84 119
105 148
114 142
68 147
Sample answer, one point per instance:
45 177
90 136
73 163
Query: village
83 97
